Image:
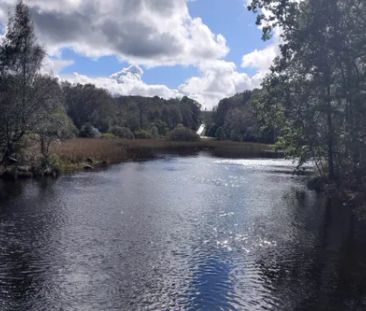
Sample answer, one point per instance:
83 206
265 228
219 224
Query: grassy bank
89 153
76 153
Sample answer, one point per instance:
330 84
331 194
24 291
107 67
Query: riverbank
348 191
88 154
75 153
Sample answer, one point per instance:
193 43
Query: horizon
204 50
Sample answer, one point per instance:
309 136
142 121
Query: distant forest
145 117
236 118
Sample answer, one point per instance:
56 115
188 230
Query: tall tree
22 91
318 81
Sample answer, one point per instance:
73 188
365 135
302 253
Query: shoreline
83 154
90 154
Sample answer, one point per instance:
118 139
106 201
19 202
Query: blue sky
206 49
228 17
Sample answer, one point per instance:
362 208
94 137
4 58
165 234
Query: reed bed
80 150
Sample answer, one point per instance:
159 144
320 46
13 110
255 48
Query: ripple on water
193 233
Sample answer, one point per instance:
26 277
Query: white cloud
148 32
261 60
53 66
217 79
126 82
143 32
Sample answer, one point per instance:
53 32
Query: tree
181 133
89 131
23 92
52 122
89 104
236 119
122 132
316 90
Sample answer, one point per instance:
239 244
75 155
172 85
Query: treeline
315 95
236 118
33 105
143 116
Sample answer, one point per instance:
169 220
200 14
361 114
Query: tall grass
80 150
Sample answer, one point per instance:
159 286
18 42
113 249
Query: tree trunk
43 146
9 151
330 143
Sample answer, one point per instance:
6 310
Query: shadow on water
24 237
330 273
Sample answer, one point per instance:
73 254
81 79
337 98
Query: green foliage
108 136
315 95
89 131
136 112
54 124
88 104
51 162
154 131
236 119
122 132
162 127
220 133
22 89
181 133
143 134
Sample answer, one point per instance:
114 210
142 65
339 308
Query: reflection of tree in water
327 273
9 190
23 243
18 283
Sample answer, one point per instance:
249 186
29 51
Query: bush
122 132
142 134
154 132
108 136
89 131
181 133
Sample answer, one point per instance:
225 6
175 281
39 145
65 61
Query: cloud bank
144 33
147 32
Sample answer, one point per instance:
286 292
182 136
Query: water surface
179 233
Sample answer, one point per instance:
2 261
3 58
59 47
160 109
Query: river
179 233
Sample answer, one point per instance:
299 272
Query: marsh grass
76 152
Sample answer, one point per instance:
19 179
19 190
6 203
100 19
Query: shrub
108 136
122 132
89 131
181 133
161 126
154 132
142 134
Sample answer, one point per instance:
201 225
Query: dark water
192 233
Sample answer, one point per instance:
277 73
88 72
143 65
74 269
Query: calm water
188 233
